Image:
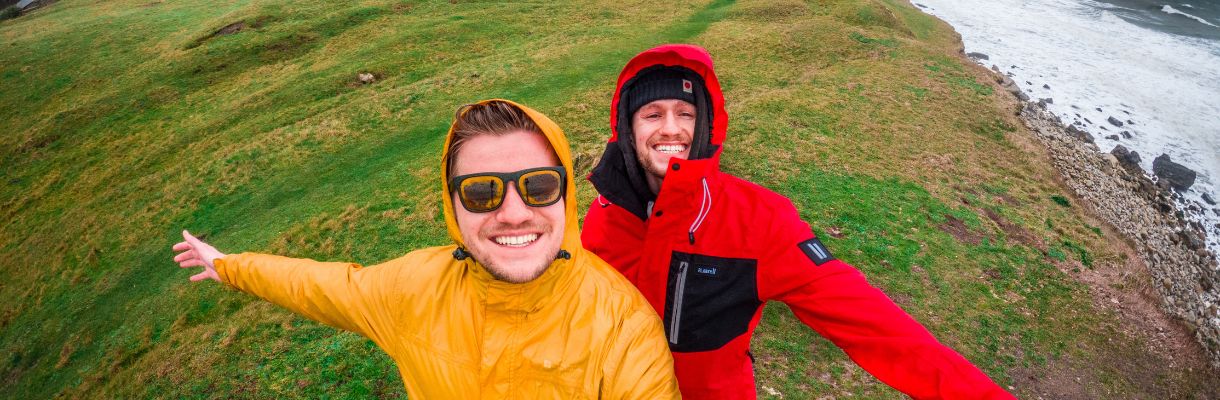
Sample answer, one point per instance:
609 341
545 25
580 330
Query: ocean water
1154 66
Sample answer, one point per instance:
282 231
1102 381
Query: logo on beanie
686 86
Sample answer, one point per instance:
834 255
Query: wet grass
124 121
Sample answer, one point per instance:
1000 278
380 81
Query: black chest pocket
709 300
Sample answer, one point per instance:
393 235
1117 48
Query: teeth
516 241
670 148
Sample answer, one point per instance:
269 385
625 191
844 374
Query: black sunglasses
485 191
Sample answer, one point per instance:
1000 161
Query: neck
654 183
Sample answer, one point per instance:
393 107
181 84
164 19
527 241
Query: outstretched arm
834 299
342 295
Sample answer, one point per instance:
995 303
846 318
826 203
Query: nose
671 127
513 211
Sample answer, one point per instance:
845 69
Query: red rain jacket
714 248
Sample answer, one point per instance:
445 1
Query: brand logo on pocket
706 270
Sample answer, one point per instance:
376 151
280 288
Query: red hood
681 55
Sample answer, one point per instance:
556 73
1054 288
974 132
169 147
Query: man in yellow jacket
516 308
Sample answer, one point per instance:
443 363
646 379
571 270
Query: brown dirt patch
1125 287
230 29
1056 380
835 232
1015 232
956 228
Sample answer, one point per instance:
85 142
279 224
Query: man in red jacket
708 249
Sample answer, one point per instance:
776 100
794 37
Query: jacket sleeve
342 295
639 365
835 300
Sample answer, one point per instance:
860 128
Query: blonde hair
489 118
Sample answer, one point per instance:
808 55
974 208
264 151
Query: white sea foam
1170 10
1097 65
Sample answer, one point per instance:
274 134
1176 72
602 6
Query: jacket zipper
679 288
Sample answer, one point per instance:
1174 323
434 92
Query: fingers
186 255
194 262
192 240
180 246
200 276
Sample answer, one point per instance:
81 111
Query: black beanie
659 84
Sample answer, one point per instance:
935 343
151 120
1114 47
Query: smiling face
515 242
663 129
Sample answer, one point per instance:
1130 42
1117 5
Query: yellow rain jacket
580 330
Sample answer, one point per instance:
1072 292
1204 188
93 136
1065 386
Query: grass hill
123 122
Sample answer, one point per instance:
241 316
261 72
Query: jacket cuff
223 266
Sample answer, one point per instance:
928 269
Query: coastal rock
1115 121
1112 137
1192 240
1177 175
1045 86
1208 198
977 56
1126 134
1022 96
1079 134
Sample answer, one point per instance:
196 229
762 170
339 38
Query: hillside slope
122 122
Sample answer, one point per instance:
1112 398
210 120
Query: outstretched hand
196 253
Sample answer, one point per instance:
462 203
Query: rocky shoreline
1184 272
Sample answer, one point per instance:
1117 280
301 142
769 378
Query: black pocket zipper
676 315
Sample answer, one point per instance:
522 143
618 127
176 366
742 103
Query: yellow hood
559 143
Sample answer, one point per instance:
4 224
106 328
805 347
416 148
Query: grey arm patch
816 252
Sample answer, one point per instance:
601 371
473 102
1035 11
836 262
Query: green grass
126 121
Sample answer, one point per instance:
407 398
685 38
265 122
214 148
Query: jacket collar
529 297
